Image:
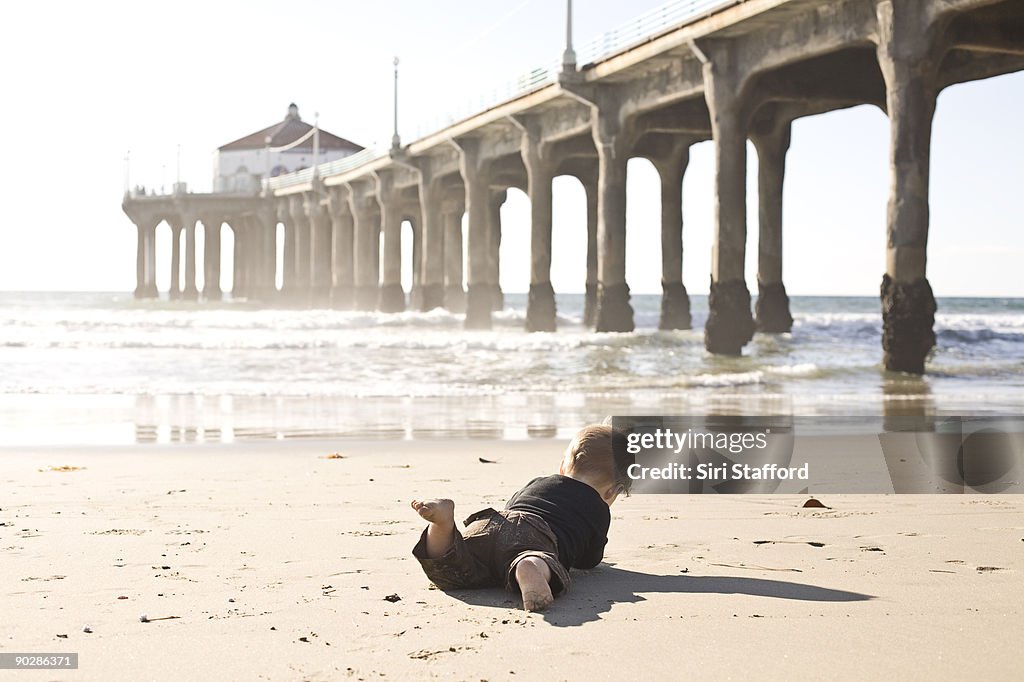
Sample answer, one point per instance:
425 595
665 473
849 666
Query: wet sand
269 561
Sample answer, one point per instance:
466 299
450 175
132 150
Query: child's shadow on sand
598 590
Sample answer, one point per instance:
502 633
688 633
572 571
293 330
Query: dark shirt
575 512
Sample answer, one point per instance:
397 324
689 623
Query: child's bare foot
436 511
533 575
441 515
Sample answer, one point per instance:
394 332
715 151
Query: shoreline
268 535
123 420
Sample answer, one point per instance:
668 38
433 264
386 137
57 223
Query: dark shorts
487 553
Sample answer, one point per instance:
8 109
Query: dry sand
268 561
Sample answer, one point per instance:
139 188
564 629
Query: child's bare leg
533 576
441 531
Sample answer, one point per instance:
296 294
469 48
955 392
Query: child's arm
593 554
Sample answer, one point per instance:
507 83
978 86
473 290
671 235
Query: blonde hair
600 450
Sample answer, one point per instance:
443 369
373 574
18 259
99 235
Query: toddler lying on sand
551 525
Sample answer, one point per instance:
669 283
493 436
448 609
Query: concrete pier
479 210
614 313
540 172
772 314
493 268
266 218
300 293
365 245
190 292
211 257
740 71
432 253
390 296
908 58
176 230
241 269
454 293
342 252
319 250
303 273
729 326
252 222
145 260
671 166
242 276
589 181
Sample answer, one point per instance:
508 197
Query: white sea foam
100 345
803 369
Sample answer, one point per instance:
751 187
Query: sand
268 561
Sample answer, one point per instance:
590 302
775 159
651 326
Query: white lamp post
396 141
569 56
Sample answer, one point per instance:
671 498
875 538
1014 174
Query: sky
87 83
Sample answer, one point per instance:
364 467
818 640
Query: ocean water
91 368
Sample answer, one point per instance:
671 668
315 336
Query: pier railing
652 23
506 92
642 28
336 167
